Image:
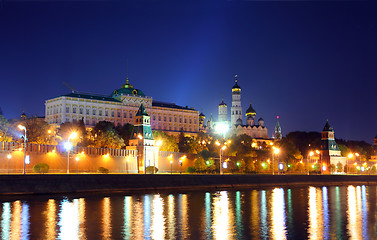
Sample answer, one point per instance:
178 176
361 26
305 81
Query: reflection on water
347 212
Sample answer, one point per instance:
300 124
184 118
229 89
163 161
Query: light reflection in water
238 214
315 213
69 219
137 224
16 220
50 224
183 203
222 217
147 215
326 217
278 229
5 221
353 217
127 217
171 216
263 215
158 220
254 217
364 211
106 218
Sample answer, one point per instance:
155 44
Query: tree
250 166
37 130
339 167
169 142
332 168
67 128
200 165
125 132
41 168
4 127
104 135
182 142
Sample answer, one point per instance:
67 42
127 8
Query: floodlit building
120 107
252 128
330 152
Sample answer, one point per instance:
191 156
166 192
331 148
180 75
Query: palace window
112 113
164 119
87 111
159 118
100 112
185 120
106 113
94 111
190 120
125 114
74 109
81 111
169 121
118 114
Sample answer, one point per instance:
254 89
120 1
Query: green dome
127 89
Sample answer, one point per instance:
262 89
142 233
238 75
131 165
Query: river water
332 212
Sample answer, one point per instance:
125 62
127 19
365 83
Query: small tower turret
250 116
223 111
277 134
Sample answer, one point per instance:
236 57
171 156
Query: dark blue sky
304 61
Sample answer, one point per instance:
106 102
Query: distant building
330 152
236 127
120 107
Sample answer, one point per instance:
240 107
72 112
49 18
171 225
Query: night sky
305 61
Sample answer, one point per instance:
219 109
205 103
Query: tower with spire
142 140
236 109
330 152
277 133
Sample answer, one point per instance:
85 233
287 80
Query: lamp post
77 160
350 156
25 139
171 163
127 160
222 148
9 156
276 151
310 155
68 146
158 144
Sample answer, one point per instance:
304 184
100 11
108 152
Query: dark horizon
304 61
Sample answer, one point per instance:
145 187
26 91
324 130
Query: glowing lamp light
77 158
238 164
324 168
27 159
68 146
350 155
21 127
221 128
207 162
9 156
311 153
158 143
362 168
281 166
276 150
225 165
263 164
289 165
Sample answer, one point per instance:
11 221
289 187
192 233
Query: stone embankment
59 183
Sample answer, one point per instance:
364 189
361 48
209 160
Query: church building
256 130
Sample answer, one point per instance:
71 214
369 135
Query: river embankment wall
81 183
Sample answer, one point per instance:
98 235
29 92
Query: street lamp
276 151
222 148
180 162
68 146
310 155
25 139
350 156
158 144
77 160
171 163
127 160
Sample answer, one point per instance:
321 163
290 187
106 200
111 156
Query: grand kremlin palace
120 108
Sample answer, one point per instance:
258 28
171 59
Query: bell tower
236 109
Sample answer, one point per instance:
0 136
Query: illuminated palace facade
120 108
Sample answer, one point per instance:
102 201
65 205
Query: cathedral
253 128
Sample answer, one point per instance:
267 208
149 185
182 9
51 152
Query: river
326 212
